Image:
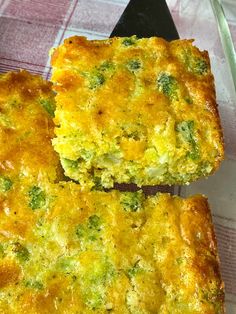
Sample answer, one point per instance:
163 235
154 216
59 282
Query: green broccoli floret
89 231
68 163
133 65
106 65
2 254
5 184
85 155
129 41
96 80
34 284
93 299
188 100
97 76
94 222
21 252
97 184
167 84
37 197
49 106
194 64
186 129
66 264
132 201
80 231
194 154
133 271
179 260
200 66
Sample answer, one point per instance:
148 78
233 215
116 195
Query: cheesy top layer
135 110
66 251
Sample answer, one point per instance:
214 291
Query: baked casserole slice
134 110
67 251
26 129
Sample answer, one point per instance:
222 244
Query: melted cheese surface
135 111
99 252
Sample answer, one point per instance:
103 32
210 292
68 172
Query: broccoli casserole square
26 129
134 110
63 250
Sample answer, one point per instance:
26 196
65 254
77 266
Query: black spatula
146 18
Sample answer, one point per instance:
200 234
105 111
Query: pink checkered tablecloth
29 28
